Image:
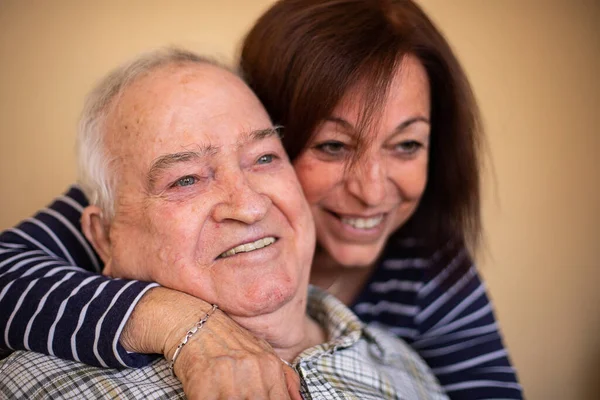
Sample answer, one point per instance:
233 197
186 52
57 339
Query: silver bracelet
188 335
287 363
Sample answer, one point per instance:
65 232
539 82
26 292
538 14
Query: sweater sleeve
53 299
458 335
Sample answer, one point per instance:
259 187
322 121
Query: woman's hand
222 360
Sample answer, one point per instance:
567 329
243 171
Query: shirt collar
342 327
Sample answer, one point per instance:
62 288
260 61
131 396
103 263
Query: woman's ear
96 230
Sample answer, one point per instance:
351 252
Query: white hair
95 176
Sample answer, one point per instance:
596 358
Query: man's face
206 199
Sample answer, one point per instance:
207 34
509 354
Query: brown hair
302 56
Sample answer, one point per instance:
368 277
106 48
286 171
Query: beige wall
534 65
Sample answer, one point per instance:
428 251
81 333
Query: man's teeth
244 248
363 223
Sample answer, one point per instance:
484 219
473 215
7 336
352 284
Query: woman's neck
344 282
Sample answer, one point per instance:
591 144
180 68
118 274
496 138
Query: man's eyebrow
260 134
165 161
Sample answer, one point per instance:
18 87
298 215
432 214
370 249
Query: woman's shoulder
404 245
404 253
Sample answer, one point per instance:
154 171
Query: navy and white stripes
434 299
53 301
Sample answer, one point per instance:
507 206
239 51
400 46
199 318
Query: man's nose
240 200
366 180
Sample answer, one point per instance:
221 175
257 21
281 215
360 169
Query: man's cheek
129 262
107 270
115 270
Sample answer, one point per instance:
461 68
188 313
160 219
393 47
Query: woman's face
359 200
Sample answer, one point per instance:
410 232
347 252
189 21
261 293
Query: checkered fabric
357 362
29 375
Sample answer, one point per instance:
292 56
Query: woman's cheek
411 179
317 179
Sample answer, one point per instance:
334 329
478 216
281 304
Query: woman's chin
356 257
334 251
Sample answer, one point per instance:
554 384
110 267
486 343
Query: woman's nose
366 181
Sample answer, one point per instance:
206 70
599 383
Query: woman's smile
363 184
358 229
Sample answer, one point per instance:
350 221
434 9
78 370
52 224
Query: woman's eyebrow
399 128
341 121
402 126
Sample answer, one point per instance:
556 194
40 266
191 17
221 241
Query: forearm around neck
163 316
160 319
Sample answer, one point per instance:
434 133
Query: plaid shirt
357 362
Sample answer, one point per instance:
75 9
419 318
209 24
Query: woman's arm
222 360
458 334
53 300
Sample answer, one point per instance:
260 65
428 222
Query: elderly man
192 189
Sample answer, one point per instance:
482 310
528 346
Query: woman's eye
266 159
408 147
331 147
185 181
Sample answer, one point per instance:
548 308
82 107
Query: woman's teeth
363 223
244 248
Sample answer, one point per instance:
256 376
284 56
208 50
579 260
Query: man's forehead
187 71
181 107
187 94
202 80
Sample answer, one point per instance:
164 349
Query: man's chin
256 303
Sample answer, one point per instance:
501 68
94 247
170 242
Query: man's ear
96 231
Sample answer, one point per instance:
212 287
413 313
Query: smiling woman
384 133
370 181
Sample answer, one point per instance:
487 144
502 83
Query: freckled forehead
197 81
179 86
182 105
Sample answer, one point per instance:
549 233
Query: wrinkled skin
201 171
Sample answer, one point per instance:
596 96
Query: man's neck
314 334
289 330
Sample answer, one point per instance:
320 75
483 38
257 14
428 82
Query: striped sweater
53 301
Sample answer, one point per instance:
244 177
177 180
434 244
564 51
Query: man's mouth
360 222
247 247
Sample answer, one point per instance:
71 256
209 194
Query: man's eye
186 181
331 147
266 159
